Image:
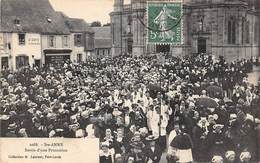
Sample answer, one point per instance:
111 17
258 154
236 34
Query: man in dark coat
152 151
200 139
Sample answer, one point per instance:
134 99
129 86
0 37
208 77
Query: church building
228 28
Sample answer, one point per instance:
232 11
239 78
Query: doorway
37 62
129 46
163 49
202 45
22 61
79 58
4 63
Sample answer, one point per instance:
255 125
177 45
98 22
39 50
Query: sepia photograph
130 81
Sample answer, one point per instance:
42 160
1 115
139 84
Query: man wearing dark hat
11 130
152 150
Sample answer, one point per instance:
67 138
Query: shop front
57 58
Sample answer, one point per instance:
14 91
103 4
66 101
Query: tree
108 24
96 24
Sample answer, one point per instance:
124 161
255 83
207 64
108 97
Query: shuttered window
51 41
78 39
22 61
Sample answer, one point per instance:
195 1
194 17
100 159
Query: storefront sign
56 59
34 41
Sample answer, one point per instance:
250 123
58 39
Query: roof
103 43
102 37
102 32
75 24
33 16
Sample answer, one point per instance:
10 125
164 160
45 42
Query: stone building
102 41
33 33
228 28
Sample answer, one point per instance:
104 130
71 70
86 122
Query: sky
90 10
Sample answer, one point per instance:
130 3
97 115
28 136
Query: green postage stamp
165 22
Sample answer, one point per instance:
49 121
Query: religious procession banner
165 25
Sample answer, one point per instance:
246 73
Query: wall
102 53
4 50
77 49
116 34
58 44
32 48
215 31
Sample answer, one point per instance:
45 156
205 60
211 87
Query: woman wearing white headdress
90 131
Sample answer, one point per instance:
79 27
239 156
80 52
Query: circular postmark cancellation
164 22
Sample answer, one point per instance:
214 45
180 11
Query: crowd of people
192 108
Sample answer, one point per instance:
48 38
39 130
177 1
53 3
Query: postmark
164 20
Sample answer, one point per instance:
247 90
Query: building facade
102 41
18 49
33 33
228 28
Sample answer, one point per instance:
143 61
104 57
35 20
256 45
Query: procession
130 81
190 108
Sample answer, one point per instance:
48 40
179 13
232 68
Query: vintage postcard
129 81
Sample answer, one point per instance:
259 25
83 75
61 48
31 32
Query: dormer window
17 22
48 20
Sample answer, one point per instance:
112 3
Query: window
65 41
256 33
22 61
89 42
243 30
17 22
78 39
4 63
51 41
48 19
113 33
21 38
232 31
247 32
129 20
79 58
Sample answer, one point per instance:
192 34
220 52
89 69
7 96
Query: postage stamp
164 22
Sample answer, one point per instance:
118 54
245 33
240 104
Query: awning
57 51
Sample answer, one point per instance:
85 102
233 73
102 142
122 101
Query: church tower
139 34
117 27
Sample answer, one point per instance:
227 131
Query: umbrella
154 89
215 91
206 102
106 94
